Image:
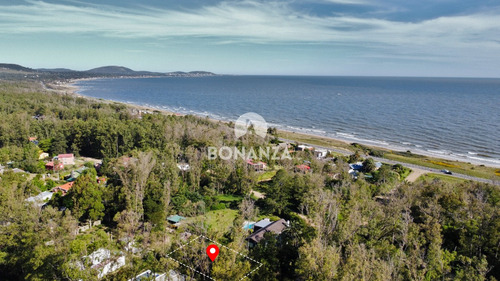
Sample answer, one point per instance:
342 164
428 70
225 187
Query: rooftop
175 218
275 227
68 155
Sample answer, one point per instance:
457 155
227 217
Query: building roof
304 147
275 227
175 218
356 166
41 198
65 187
67 155
303 167
263 223
250 162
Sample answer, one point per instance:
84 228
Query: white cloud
260 23
347 2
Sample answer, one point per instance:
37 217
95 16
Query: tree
134 174
318 261
369 165
86 196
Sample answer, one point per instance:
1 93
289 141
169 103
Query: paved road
408 165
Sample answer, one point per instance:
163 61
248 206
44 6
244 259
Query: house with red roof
66 159
258 166
302 168
63 188
54 166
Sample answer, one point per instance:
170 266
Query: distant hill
14 70
16 67
112 70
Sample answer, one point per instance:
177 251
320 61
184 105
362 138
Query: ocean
453 118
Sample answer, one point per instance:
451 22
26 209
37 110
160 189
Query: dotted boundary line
219 244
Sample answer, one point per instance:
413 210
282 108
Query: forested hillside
341 228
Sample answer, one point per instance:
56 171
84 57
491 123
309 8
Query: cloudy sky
301 37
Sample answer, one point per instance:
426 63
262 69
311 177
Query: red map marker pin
212 251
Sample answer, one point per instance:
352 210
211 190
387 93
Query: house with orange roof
63 188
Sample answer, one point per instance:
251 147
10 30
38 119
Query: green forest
340 228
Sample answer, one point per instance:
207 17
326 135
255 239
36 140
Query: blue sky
307 37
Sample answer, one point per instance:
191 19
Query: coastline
69 87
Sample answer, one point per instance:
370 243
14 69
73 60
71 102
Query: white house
66 159
41 198
320 153
304 147
104 262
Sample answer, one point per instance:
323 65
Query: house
356 166
43 155
54 166
304 147
275 227
41 199
175 220
378 165
257 166
150 276
33 140
76 173
320 153
103 261
303 168
66 159
63 188
261 224
184 167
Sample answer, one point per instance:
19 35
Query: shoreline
69 87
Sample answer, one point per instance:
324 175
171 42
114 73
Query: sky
444 38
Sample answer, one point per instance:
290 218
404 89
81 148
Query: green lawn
430 177
267 175
219 220
228 198
454 166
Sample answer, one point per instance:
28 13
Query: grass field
267 175
445 178
454 166
219 221
228 198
